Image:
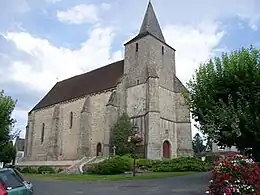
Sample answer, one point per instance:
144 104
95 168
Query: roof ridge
90 71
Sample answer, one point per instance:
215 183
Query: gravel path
184 185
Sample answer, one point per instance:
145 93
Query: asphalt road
184 185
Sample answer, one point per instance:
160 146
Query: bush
146 164
235 174
115 165
211 159
29 170
60 170
18 169
122 164
181 164
46 169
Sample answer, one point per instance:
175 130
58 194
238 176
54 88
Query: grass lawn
79 177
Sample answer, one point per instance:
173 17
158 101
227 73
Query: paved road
186 185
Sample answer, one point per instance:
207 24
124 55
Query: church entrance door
99 150
166 149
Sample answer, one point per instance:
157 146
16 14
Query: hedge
115 165
118 165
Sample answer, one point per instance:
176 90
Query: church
74 119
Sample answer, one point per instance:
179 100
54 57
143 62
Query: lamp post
135 139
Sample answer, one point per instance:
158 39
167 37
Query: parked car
12 182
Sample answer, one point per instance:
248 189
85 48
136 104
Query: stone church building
75 117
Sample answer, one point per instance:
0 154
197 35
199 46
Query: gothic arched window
42 134
71 119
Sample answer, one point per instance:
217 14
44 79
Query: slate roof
78 86
19 144
150 23
150 26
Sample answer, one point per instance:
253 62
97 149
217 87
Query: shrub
181 164
47 169
18 169
60 170
235 174
211 159
29 170
115 165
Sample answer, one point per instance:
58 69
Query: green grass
78 177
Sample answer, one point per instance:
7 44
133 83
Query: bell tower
149 64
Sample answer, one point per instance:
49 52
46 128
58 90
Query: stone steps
75 168
94 161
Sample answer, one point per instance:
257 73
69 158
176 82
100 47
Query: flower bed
235 174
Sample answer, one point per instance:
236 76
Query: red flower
235 174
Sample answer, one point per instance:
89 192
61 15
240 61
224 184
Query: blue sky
44 41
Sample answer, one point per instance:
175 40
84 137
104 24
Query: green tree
119 135
209 143
7 105
7 152
197 144
224 97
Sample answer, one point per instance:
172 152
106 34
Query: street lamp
135 139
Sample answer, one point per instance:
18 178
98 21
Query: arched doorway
166 149
99 150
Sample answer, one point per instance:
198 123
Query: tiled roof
78 86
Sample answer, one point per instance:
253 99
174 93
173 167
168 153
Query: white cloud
51 62
80 14
20 115
53 1
105 6
193 44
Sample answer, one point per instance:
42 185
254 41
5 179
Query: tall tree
197 144
7 153
209 143
224 97
119 135
7 105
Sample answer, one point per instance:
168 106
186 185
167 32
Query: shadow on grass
90 177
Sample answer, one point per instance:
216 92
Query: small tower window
71 119
136 47
138 82
162 50
42 134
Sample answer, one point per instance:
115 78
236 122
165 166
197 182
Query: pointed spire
150 23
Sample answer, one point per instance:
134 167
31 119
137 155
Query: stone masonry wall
136 100
39 150
183 127
168 132
68 138
162 57
98 110
135 62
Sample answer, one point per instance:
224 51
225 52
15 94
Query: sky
45 41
